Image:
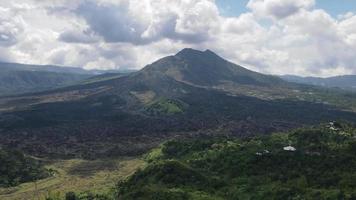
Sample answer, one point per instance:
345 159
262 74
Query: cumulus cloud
274 36
324 44
143 22
278 8
10 27
75 36
113 22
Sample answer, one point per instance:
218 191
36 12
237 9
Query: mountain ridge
347 82
17 79
9 66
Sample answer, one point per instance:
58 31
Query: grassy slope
76 175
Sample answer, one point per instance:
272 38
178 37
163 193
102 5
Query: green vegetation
309 163
79 196
85 179
329 96
16 168
165 106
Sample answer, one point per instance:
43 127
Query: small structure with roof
289 148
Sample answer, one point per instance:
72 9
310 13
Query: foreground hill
347 82
309 163
186 94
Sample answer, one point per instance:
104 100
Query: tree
71 196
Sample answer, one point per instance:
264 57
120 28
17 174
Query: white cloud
106 34
278 9
11 26
77 36
244 24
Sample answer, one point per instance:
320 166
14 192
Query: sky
304 37
233 8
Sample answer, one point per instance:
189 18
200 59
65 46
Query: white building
289 148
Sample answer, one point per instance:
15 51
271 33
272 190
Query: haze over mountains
347 82
21 78
192 92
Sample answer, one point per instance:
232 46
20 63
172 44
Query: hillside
309 163
347 82
17 168
186 94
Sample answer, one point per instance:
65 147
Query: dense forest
16 168
309 163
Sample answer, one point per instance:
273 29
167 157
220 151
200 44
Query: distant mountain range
191 92
51 68
20 78
347 82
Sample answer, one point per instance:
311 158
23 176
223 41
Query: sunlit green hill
309 163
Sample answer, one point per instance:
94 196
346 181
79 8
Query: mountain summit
207 69
189 52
